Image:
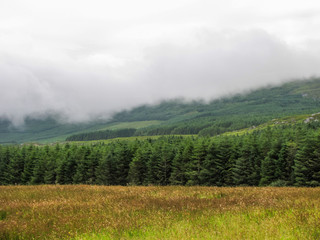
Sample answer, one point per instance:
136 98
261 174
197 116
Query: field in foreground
102 212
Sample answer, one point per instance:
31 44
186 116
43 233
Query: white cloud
91 58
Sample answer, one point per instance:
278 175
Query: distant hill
179 117
229 113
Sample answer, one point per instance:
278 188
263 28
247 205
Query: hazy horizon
84 59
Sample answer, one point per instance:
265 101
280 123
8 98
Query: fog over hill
97 58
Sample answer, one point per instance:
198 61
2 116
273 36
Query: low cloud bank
35 83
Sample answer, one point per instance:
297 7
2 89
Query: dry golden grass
101 212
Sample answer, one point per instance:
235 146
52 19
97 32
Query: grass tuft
3 215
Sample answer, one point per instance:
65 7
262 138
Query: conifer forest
278 156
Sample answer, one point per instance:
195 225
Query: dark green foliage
167 154
99 135
138 166
15 167
283 155
226 161
212 172
6 156
268 168
277 155
181 163
285 163
199 156
106 170
29 164
84 166
38 171
123 155
154 166
66 167
243 170
307 163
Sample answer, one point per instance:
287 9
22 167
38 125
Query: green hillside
284 122
180 117
227 114
231 113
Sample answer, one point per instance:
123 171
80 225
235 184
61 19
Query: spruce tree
16 167
166 158
81 175
153 175
243 171
196 163
29 164
106 169
138 166
212 167
179 167
123 156
305 163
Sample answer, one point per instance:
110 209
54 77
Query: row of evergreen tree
279 156
99 135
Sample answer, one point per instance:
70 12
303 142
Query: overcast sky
88 58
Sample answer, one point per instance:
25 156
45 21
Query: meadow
152 212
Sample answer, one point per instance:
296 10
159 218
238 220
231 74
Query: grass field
102 212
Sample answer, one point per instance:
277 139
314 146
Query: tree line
99 135
277 156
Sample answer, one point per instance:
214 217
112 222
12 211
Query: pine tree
167 155
92 164
39 170
123 156
5 158
285 163
81 175
303 169
226 156
243 171
271 163
213 167
153 166
66 166
180 163
29 164
198 157
16 166
50 175
268 168
138 166
106 169
314 165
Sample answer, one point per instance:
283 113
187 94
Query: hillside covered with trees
281 156
222 115
270 136
181 117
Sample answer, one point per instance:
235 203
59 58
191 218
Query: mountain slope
180 117
230 113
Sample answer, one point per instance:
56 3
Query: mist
98 59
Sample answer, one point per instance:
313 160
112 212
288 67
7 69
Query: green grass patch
262 224
3 215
